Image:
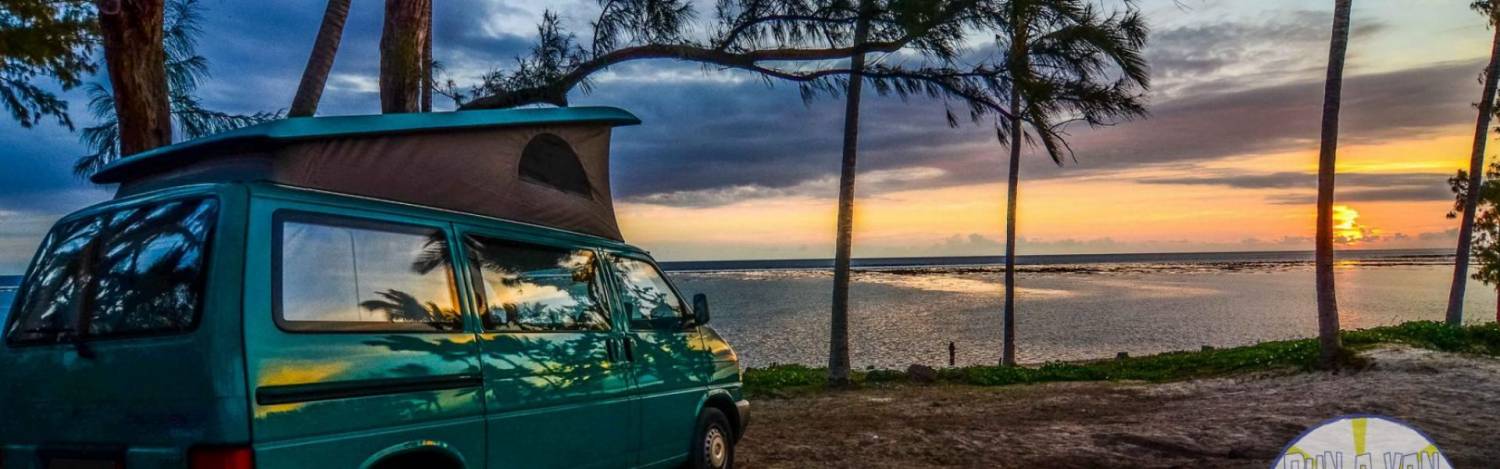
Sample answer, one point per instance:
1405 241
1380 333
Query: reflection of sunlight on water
1142 289
954 284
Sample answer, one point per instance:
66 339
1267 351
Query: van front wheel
713 443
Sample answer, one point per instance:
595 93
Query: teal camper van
443 290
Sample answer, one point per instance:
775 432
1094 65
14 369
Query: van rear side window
131 271
344 274
526 288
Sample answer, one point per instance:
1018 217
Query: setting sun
1346 227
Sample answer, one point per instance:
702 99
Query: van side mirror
700 308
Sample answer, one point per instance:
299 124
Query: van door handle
609 349
629 348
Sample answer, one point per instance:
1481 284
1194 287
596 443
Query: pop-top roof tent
543 166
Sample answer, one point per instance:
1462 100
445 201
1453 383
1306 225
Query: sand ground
1226 422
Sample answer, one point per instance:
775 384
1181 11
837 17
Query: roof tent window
549 160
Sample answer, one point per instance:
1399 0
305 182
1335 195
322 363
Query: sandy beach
1241 421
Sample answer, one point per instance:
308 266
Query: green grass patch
1302 354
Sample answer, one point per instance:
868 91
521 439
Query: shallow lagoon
906 315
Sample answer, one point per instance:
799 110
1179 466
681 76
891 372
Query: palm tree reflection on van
135 270
401 306
522 367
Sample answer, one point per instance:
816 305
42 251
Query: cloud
873 181
1395 194
1236 55
1352 187
714 135
1294 180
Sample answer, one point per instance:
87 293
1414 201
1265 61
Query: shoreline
1239 420
1269 356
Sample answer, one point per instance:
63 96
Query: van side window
646 295
345 274
131 271
534 288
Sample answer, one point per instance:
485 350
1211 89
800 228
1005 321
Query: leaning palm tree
1066 62
1328 307
1455 315
320 60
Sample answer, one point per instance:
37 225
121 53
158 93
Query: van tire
713 442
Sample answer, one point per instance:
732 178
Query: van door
664 348
557 391
356 338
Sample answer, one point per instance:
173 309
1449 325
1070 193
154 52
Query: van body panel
144 398
335 396
555 400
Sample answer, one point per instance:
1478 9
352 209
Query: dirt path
1238 422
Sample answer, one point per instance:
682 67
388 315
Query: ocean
1068 307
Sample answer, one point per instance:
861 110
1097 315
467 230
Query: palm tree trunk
838 328
320 60
427 61
401 44
1328 308
1008 354
1476 173
131 34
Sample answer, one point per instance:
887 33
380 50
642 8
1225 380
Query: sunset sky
727 167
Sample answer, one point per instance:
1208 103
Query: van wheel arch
424 455
725 404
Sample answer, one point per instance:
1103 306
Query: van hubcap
715 447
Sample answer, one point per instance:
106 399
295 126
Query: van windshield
132 271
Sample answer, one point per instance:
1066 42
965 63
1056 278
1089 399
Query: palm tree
402 42
1328 307
184 70
131 36
1065 62
320 60
1476 164
1486 224
838 343
427 64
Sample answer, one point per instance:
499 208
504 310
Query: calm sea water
907 310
